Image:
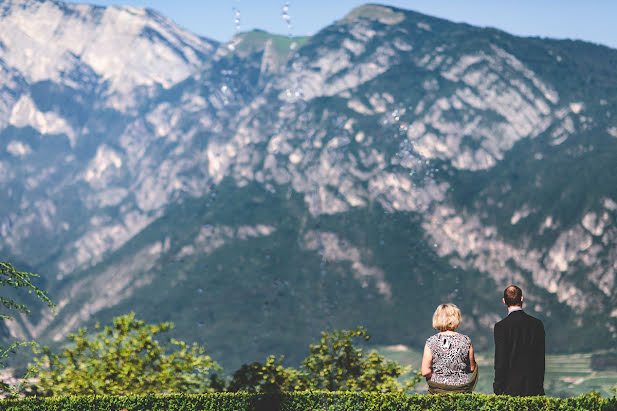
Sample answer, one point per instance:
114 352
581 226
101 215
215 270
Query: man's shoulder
513 318
501 323
533 319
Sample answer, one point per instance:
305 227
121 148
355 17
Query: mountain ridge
388 163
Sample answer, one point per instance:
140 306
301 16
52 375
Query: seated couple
519 352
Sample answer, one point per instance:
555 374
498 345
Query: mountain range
259 191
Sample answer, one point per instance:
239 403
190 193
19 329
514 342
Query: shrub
126 358
307 401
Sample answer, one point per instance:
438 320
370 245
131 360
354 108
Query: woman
448 355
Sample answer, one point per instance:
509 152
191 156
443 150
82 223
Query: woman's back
450 352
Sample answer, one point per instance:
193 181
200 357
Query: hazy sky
590 20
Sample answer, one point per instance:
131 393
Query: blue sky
590 20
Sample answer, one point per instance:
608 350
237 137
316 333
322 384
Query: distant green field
567 375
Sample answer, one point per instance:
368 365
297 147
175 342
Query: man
519 349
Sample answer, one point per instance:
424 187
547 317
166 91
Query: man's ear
504 301
521 300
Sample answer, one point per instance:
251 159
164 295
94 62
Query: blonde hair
446 317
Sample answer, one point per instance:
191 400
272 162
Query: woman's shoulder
432 338
457 335
465 338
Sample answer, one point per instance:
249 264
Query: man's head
513 296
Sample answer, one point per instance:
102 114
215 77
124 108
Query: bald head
513 295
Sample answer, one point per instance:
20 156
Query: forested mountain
260 191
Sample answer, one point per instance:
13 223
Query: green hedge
310 401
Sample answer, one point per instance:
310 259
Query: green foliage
126 358
10 277
270 377
333 364
307 401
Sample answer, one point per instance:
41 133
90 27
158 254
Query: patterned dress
450 358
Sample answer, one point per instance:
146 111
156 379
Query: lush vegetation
123 359
128 358
333 364
128 365
307 401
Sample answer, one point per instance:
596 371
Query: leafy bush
270 377
123 359
333 364
306 401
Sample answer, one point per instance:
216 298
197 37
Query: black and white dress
450 358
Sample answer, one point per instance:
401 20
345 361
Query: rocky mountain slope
258 192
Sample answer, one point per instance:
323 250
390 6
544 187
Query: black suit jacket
519 355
